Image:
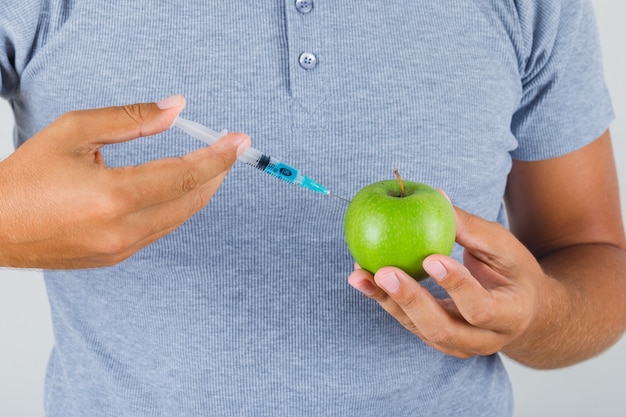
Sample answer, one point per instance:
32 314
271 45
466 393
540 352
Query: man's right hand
62 207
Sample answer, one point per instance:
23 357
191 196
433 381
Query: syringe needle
341 198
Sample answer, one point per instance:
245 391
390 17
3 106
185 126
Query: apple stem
395 171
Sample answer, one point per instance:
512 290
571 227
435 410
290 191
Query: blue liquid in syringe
266 163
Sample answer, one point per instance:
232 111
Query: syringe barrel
271 166
253 157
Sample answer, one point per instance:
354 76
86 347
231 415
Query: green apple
388 224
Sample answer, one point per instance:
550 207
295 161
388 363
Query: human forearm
583 311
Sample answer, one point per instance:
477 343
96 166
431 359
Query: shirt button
307 60
304 6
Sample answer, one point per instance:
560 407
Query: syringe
255 158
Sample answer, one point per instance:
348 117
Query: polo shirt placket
307 72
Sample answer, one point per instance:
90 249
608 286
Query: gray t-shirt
245 310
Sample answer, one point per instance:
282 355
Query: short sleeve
565 103
19 28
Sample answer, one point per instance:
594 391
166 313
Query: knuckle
481 317
409 325
70 118
466 218
188 181
114 245
134 112
497 259
110 246
409 302
111 206
69 125
184 182
109 213
456 282
439 337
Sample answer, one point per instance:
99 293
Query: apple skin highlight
382 228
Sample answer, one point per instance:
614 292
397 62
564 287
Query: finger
427 317
499 308
489 242
117 124
477 305
495 257
163 180
363 281
404 297
125 237
171 214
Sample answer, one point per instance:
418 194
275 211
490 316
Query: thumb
474 232
118 124
486 240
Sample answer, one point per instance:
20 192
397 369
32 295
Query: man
243 310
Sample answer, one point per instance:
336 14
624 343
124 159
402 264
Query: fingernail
389 282
243 146
364 286
436 270
168 103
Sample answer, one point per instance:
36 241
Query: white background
594 388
